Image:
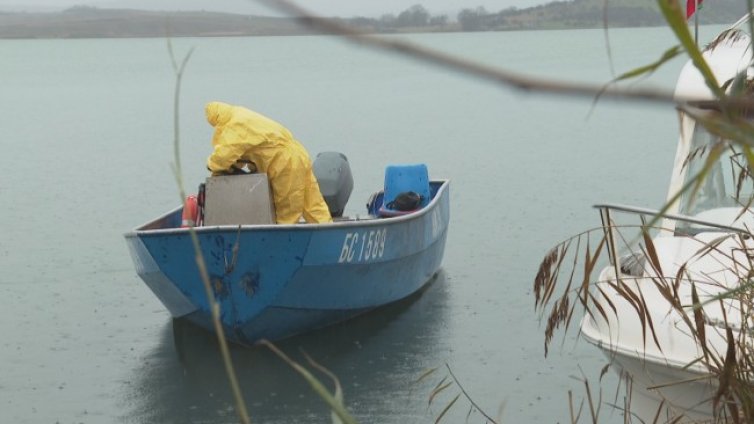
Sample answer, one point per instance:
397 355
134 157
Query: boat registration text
363 246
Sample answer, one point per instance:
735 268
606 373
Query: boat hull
658 388
274 281
667 378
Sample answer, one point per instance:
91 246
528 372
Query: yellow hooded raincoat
242 134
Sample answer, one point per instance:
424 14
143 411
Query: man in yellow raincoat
244 135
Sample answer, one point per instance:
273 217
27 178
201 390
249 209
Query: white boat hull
656 388
663 360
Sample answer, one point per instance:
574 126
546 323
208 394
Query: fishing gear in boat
406 201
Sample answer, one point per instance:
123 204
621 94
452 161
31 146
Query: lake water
87 132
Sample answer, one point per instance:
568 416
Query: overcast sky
342 8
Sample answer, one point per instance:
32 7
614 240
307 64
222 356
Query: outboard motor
335 180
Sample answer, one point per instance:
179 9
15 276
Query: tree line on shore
556 14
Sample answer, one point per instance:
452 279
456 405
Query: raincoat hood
218 113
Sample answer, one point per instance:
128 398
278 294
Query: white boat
700 248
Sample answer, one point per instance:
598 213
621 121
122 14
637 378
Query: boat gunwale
371 221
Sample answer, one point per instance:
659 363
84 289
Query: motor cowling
335 180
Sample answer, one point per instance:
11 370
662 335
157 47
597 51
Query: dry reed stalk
240 404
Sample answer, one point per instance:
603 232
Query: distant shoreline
91 22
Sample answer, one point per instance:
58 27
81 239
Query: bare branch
506 78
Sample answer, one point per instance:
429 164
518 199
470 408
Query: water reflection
376 357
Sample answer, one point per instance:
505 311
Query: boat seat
403 178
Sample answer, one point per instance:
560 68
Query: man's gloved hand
234 170
251 168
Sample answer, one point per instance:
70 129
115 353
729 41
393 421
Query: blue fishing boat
273 281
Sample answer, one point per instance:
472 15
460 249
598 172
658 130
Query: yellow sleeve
224 156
